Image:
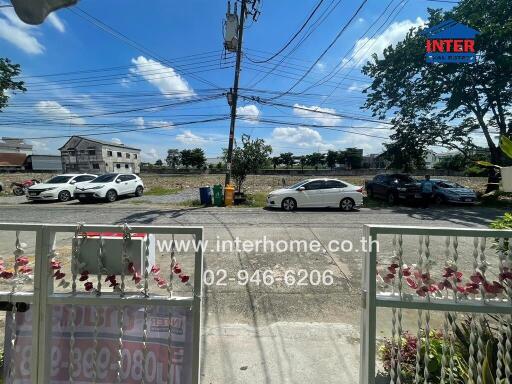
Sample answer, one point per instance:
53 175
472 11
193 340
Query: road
272 333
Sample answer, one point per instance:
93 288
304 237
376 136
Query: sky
154 74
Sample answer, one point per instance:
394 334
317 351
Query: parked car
61 187
1 186
446 191
393 187
109 187
317 193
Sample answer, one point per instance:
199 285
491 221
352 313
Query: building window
72 152
134 155
95 166
81 152
109 153
119 154
118 166
126 166
127 155
92 152
64 153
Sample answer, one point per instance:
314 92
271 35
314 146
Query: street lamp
35 11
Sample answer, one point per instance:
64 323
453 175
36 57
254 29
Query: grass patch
160 191
255 200
191 203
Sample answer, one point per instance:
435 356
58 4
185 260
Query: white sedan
60 187
109 187
320 193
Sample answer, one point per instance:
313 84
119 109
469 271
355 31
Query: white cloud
315 113
396 32
168 82
54 110
187 137
139 121
320 66
39 146
56 23
116 140
24 36
357 87
303 137
150 155
360 20
161 124
250 112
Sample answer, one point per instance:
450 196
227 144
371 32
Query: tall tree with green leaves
287 159
276 160
173 158
248 158
444 104
8 71
331 158
315 159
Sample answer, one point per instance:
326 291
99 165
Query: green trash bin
218 196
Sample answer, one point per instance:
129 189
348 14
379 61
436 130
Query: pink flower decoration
136 277
25 269
411 283
477 278
505 275
184 278
84 276
131 268
177 269
6 275
406 272
23 260
88 286
155 269
55 265
59 275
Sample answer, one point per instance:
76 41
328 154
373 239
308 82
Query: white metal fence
95 311
421 279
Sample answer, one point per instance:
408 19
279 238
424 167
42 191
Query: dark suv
393 187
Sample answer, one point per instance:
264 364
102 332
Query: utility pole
233 93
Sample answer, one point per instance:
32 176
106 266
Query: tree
159 163
353 158
8 70
443 104
173 158
249 158
331 158
303 160
315 159
287 159
276 161
193 158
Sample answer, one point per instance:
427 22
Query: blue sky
167 69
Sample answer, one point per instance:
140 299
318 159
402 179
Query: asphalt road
252 323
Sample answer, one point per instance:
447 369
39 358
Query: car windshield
104 178
448 184
296 185
59 179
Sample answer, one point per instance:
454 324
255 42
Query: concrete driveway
256 333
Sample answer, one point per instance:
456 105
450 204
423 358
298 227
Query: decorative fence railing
453 289
100 304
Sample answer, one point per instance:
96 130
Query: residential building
375 161
83 154
13 145
431 159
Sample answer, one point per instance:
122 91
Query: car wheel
289 204
439 200
347 204
64 196
139 191
391 198
111 196
369 192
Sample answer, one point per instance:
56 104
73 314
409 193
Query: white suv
60 187
109 187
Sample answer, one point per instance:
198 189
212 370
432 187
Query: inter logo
450 42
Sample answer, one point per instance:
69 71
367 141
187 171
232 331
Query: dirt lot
254 183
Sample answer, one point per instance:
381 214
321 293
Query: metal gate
99 288
428 280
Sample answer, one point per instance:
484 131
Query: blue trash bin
205 195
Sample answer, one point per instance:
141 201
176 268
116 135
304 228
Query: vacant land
157 184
